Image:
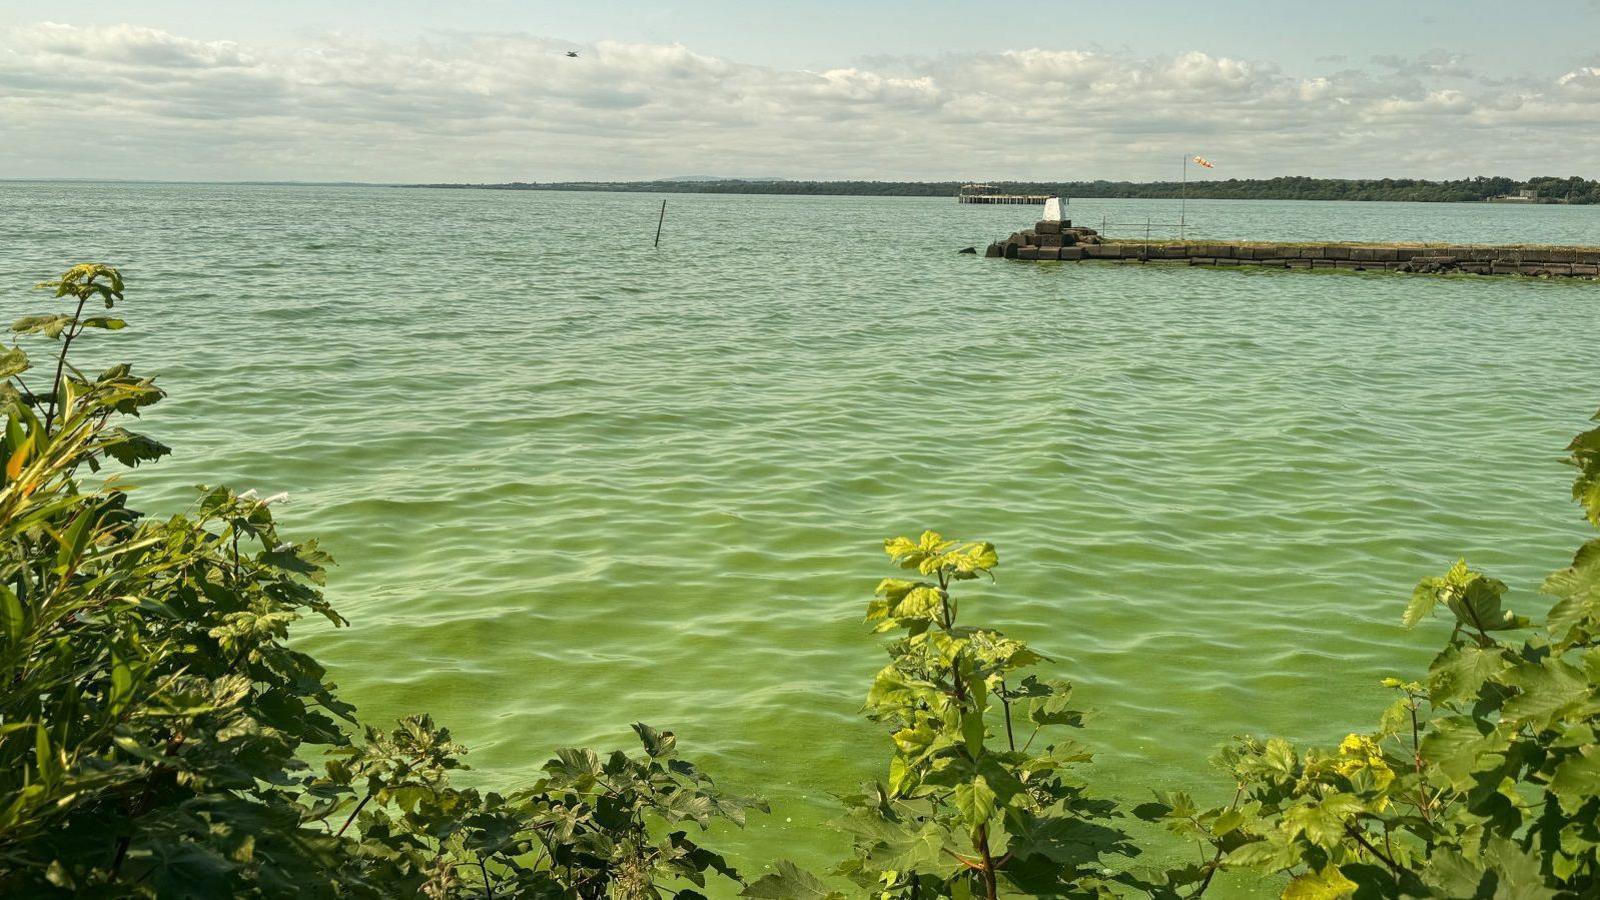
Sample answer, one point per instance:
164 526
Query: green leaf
974 800
1472 596
1063 841
1328 884
1576 781
1269 855
921 602
13 619
972 732
1279 756
897 845
105 322
1457 746
915 741
1424 597
789 882
893 688
1459 672
1576 616
973 558
57 875
1229 820
656 743
131 449
1323 822
49 326
13 362
1585 456
1054 705
121 685
903 775
1519 873
75 540
45 757
1547 689
1453 875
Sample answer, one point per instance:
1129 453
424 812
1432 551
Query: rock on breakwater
1059 241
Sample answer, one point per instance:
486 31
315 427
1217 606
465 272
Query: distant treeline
1545 190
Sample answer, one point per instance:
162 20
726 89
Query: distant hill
1543 190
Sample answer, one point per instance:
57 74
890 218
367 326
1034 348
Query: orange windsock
1202 161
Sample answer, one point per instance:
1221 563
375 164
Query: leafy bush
1480 780
980 796
155 724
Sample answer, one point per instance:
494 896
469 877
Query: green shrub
1482 779
980 793
155 725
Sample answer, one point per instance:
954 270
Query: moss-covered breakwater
1062 241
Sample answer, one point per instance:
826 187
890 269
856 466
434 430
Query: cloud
128 44
1586 78
1432 63
126 101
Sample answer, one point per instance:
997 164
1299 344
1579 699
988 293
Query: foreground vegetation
159 736
1546 189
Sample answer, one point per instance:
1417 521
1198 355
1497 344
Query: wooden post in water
659 222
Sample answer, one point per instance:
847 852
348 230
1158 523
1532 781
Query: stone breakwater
1061 241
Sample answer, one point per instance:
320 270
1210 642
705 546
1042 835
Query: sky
483 90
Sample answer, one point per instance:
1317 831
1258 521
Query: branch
1394 867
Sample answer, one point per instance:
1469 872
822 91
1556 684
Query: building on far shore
988 193
1526 195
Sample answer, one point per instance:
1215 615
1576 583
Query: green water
574 482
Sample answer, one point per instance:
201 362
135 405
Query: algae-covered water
574 482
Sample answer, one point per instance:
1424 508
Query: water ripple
574 482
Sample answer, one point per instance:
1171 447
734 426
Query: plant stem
353 813
61 361
174 744
1394 867
991 885
1005 702
949 623
1212 871
1416 755
488 889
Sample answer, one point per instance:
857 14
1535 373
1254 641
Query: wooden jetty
988 193
1061 241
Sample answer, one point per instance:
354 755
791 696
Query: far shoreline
1532 192
1497 191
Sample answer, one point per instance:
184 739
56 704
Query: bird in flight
572 54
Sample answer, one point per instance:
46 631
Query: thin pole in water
659 222
1183 198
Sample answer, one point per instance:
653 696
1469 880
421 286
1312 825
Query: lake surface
574 482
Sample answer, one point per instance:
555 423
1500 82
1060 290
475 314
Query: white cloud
1434 103
126 101
1583 79
128 44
